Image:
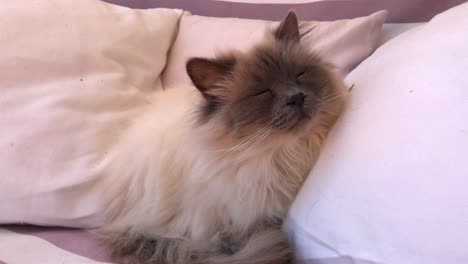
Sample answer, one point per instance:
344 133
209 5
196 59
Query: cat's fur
206 175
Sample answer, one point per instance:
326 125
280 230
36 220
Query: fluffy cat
206 173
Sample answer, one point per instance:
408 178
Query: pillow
391 183
73 72
391 30
344 42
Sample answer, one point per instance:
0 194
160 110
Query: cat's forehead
275 55
279 63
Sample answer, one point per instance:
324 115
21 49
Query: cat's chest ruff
238 191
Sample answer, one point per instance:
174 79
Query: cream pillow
345 43
72 73
391 185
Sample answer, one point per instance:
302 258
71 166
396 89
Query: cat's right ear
288 29
209 76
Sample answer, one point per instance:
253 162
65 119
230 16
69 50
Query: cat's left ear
288 30
209 76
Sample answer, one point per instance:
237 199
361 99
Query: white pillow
391 185
73 72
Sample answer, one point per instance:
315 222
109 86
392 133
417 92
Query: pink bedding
31 244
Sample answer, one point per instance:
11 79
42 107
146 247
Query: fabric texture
390 185
400 11
50 245
345 43
73 72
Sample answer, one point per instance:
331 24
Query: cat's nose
296 99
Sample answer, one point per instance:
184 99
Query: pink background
401 11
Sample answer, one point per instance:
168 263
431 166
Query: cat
206 173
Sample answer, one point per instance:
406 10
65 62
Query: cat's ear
288 30
209 76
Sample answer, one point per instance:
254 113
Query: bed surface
41 245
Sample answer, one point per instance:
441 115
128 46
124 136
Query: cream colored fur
171 177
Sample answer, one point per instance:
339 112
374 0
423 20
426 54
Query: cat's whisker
243 143
250 141
320 103
329 96
262 137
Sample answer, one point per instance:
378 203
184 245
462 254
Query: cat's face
278 86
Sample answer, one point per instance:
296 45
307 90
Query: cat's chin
297 130
298 124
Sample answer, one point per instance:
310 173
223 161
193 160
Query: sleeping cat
206 173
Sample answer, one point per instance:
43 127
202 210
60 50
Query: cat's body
195 179
179 186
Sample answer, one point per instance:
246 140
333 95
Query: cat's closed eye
300 75
263 92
